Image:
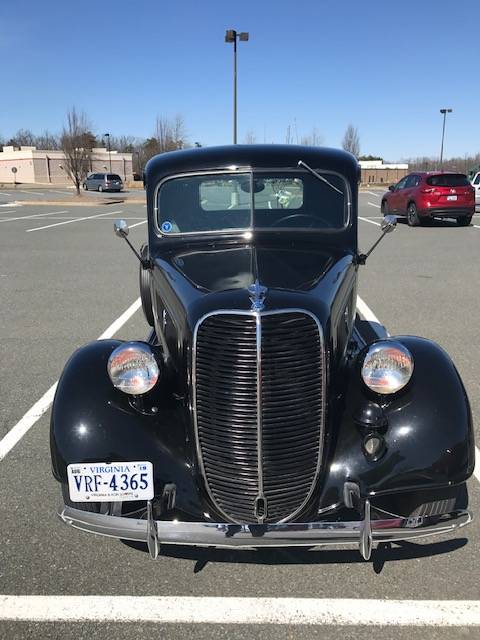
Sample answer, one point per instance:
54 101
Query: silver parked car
103 182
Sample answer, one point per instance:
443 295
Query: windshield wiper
301 163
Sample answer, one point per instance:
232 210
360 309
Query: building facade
32 165
375 172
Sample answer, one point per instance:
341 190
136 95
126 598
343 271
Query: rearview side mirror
120 227
391 187
388 224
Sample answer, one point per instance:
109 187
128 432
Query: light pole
107 136
231 36
444 111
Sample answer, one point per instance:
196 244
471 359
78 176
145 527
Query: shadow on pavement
385 552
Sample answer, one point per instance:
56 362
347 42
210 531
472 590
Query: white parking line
59 224
370 221
138 223
372 193
17 432
35 193
36 215
4 194
372 204
233 610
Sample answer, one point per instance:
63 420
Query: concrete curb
74 203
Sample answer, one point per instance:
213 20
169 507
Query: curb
74 203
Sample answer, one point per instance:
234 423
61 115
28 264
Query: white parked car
476 186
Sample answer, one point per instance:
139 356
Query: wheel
412 215
145 293
85 188
100 188
92 507
464 221
384 208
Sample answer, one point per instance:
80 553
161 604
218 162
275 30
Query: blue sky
385 67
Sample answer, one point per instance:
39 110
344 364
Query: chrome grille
271 450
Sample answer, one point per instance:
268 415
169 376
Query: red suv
423 196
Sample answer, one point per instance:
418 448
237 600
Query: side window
401 184
477 179
97 176
412 181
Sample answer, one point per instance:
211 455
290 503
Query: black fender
91 421
428 436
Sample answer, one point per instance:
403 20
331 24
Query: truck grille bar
259 383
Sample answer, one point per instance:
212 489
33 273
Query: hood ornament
257 295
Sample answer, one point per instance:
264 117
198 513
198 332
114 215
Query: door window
401 184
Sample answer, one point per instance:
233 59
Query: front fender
92 421
429 436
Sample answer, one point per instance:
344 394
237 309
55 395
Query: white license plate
451 197
110 482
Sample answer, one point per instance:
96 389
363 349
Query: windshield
259 200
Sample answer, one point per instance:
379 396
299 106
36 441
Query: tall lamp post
444 111
107 136
231 36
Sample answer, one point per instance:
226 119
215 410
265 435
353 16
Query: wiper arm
301 163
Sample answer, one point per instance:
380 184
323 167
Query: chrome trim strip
266 535
324 395
258 327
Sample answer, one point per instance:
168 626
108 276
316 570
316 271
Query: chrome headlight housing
132 368
387 367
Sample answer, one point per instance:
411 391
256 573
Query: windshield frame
251 171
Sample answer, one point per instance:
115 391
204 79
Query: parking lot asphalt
64 278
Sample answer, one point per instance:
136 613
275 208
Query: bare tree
76 143
23 138
170 134
313 139
47 140
351 140
250 137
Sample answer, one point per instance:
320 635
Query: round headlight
387 367
132 368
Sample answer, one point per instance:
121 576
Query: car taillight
425 190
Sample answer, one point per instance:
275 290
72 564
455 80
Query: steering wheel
291 216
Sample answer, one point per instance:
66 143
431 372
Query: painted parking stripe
370 221
59 224
36 215
234 610
17 432
372 204
35 193
138 223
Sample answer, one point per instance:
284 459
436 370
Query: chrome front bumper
362 533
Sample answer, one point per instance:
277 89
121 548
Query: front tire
100 188
85 188
464 221
412 215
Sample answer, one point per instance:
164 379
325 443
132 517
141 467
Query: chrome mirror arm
388 225
121 230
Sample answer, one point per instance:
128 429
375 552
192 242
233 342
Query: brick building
375 172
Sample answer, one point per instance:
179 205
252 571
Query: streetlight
231 36
107 135
444 111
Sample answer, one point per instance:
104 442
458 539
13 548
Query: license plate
451 197
110 482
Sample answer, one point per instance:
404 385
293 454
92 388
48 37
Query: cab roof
264 156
